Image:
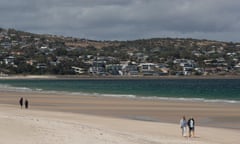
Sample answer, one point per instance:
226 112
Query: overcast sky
125 19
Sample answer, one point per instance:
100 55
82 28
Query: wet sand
220 115
65 118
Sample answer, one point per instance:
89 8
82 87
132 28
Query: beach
60 118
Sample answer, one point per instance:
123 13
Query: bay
227 90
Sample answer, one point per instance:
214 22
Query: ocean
210 90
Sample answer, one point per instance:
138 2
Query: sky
125 19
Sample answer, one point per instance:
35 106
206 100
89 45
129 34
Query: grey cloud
125 19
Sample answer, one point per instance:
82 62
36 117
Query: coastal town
23 53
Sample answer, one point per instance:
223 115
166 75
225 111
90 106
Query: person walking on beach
191 125
183 125
21 102
26 104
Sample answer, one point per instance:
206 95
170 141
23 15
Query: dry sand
71 119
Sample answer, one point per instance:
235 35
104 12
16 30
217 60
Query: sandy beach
71 119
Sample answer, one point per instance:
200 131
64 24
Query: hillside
28 53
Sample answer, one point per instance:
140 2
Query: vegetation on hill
27 53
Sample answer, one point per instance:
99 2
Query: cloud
125 19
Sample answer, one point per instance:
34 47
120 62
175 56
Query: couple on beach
26 103
190 124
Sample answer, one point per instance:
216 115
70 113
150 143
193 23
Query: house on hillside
148 69
9 60
130 69
98 68
187 66
237 67
114 69
41 66
78 70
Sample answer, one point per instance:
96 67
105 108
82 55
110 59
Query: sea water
211 90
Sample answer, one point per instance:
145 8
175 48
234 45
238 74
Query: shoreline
130 97
85 77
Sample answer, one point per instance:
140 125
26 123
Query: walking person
191 125
26 104
21 102
183 125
